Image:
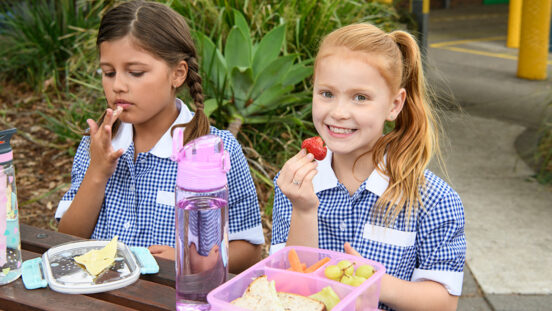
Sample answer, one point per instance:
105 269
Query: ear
179 74
397 105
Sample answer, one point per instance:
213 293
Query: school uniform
140 195
431 246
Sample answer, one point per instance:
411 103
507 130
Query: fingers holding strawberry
295 180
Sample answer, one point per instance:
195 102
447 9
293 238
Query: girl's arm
295 182
243 255
81 217
405 295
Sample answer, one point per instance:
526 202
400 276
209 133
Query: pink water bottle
201 212
10 242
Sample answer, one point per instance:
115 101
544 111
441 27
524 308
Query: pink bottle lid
202 163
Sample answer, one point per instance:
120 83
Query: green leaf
297 74
239 20
212 61
274 73
243 26
209 106
237 50
265 101
268 49
241 82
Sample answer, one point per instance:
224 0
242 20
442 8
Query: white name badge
165 197
388 235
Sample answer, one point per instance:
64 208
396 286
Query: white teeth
339 130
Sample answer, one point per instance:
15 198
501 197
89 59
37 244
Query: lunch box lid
58 269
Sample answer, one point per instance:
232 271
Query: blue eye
326 94
359 97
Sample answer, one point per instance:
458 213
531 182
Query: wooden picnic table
150 292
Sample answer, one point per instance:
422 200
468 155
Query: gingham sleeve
80 164
281 219
243 204
441 243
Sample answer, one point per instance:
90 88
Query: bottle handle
178 140
225 161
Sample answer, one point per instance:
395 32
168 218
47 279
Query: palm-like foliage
251 82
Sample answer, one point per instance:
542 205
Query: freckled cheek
317 115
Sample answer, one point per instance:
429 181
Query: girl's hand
162 251
350 250
295 181
103 158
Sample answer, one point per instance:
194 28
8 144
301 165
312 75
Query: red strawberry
315 145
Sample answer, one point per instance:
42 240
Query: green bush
544 154
38 37
251 83
308 20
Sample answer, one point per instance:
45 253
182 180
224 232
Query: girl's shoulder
84 145
436 191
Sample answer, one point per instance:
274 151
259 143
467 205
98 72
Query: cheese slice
96 260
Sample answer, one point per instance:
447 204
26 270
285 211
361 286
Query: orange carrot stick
294 261
303 267
317 265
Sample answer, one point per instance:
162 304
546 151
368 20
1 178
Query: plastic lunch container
363 297
58 269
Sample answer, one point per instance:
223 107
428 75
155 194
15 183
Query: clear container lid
64 275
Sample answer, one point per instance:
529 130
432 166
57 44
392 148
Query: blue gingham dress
139 197
431 246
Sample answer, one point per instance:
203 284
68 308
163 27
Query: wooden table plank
142 295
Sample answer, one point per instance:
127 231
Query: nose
340 109
119 83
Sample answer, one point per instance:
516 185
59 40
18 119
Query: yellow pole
535 30
514 24
425 6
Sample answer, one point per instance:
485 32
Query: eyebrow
351 90
126 64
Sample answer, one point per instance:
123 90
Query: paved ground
508 214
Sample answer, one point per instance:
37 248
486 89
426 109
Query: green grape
357 280
346 279
333 272
365 271
347 267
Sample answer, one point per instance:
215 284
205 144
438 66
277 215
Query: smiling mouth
340 130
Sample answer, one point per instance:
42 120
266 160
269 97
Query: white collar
326 179
163 149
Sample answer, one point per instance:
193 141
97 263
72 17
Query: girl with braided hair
372 194
123 180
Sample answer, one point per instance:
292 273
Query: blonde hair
414 140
